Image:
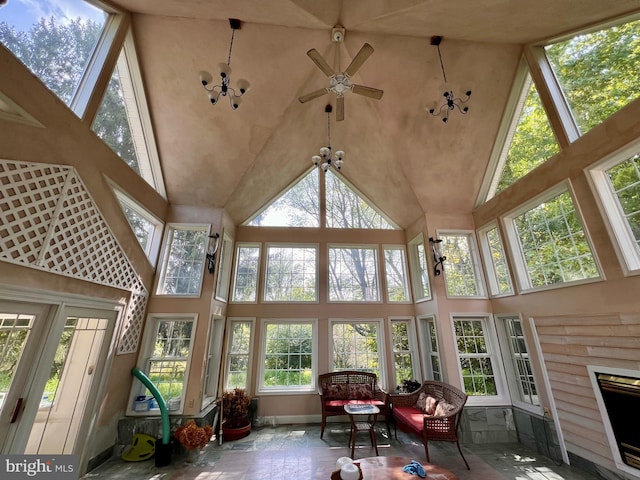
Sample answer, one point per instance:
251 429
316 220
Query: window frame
417 271
238 246
509 358
476 263
152 250
493 354
490 272
213 360
412 352
379 323
514 248
266 390
166 254
314 246
346 246
406 273
152 326
251 321
622 239
225 264
427 354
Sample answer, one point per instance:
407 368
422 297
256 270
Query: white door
59 392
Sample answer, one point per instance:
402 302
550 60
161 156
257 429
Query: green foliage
532 144
598 71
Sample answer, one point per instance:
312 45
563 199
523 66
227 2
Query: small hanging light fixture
451 102
223 89
326 159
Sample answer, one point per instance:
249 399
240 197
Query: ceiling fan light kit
451 101
223 89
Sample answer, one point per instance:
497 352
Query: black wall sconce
211 254
438 258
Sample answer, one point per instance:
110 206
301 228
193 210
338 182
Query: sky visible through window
23 14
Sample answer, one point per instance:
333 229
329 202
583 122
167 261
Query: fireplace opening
621 397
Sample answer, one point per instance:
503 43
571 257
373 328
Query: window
183 262
461 268
298 206
551 242
353 274
517 362
288 348
55 47
213 360
245 281
617 182
597 71
145 226
168 355
531 141
419 269
224 268
395 273
403 344
123 121
356 346
495 261
347 208
431 352
291 274
239 357
479 365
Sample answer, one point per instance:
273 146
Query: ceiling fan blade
359 59
339 109
312 95
367 91
320 62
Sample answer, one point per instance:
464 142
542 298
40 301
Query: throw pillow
431 405
360 391
421 403
444 408
335 391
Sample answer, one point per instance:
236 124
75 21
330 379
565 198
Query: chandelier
223 89
451 101
327 159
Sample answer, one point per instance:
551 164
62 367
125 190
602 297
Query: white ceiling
406 161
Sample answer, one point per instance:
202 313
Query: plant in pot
235 414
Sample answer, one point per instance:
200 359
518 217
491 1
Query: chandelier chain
233 32
442 64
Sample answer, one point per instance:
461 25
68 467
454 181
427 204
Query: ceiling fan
340 82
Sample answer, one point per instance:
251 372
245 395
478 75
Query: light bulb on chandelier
327 159
223 89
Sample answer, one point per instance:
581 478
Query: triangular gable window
347 208
299 206
531 142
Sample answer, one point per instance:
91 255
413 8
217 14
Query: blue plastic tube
140 375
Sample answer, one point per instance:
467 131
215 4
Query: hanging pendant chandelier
223 89
451 101
327 158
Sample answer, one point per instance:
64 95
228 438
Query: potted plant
235 414
193 437
408 386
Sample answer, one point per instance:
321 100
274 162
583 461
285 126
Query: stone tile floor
297 451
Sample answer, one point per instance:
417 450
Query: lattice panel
49 221
28 199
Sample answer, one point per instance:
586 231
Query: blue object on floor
414 468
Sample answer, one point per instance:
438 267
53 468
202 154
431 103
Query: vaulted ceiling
402 158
